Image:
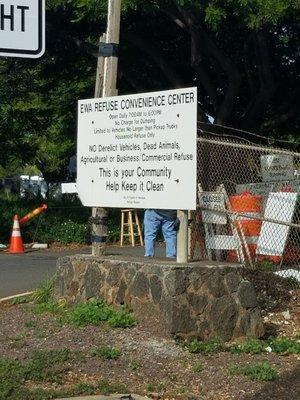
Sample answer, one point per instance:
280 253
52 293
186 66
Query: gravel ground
151 363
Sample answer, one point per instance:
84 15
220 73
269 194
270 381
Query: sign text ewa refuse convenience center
139 150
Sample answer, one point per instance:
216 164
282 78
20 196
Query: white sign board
69 187
22 28
139 150
264 188
215 201
277 167
272 239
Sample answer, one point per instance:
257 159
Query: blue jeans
152 223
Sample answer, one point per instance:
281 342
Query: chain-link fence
248 205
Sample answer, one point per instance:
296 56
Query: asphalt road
20 273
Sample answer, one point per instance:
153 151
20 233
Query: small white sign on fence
215 201
277 167
264 188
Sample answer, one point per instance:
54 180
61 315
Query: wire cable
249 133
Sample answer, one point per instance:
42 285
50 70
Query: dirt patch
150 362
273 292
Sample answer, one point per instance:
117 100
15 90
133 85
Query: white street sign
22 28
139 150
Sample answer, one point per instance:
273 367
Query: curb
110 397
15 296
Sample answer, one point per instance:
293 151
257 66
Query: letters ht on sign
22 28
14 17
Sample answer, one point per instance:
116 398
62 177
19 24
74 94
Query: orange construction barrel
251 205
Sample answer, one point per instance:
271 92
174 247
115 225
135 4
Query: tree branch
166 68
267 86
234 79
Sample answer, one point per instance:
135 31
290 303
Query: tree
39 101
242 55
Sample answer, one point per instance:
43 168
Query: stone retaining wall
195 299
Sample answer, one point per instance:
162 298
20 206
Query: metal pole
100 215
182 237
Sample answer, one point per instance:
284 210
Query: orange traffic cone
16 242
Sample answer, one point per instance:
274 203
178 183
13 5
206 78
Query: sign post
22 28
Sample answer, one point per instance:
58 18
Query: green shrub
46 366
11 375
121 319
64 221
107 352
96 311
205 347
252 346
285 346
261 372
265 265
92 312
40 367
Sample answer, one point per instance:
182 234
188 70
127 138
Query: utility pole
107 68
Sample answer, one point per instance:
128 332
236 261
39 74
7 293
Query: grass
285 346
97 311
18 341
134 365
266 265
157 387
47 367
94 312
121 319
44 293
261 372
250 346
197 367
106 352
41 367
281 346
205 347
21 300
30 324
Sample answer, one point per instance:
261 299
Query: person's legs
170 238
151 226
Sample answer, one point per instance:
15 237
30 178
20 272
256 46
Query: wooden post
182 237
109 64
112 36
99 71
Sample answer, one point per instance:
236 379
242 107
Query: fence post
182 237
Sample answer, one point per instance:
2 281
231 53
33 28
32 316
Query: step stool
130 228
